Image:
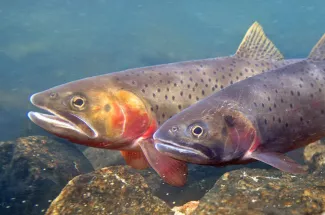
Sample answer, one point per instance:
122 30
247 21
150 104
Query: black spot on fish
203 92
189 96
213 89
279 120
263 105
292 93
158 90
298 93
268 98
322 111
197 99
146 85
291 106
311 84
229 120
223 77
166 97
181 93
221 86
107 107
206 85
287 124
270 109
301 119
265 121
173 98
180 107
143 90
300 85
188 86
154 95
252 70
163 115
151 108
157 107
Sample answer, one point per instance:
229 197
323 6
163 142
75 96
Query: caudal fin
318 52
256 45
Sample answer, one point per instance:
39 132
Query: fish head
90 113
204 135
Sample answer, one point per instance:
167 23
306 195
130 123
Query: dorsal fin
318 52
257 46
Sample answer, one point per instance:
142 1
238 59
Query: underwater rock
186 209
100 158
257 191
110 190
34 170
314 155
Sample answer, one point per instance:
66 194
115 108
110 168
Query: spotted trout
258 119
122 110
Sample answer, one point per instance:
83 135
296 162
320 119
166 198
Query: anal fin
256 45
135 159
279 161
173 172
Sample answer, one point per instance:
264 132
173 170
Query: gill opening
124 118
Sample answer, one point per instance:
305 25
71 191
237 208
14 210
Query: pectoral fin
279 161
135 159
172 171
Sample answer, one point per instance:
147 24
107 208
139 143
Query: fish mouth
60 122
182 152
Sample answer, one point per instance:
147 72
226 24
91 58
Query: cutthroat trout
259 118
122 110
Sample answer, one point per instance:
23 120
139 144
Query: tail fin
257 46
318 52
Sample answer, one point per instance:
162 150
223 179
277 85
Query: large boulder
33 170
110 190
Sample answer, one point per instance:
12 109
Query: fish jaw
194 154
60 123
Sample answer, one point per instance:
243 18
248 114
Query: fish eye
78 102
197 131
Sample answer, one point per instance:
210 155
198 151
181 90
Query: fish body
122 110
259 118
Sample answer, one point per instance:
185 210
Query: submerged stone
34 170
257 191
110 190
